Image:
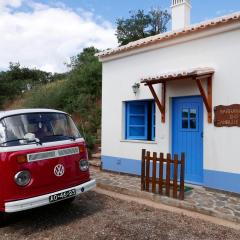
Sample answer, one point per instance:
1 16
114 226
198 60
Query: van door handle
202 134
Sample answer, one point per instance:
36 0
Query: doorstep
199 199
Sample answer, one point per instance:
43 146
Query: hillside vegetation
77 92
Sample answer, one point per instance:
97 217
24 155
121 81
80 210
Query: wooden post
175 178
146 179
164 102
160 190
181 195
207 98
154 166
168 175
143 170
209 85
159 104
147 171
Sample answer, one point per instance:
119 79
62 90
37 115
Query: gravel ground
97 216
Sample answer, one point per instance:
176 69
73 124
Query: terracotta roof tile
179 74
232 18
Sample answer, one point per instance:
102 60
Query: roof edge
152 40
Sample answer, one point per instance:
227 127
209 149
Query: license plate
61 196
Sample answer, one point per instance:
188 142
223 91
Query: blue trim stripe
213 179
222 180
123 165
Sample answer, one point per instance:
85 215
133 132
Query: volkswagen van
43 159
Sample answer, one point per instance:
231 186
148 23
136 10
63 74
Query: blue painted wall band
222 180
123 165
213 179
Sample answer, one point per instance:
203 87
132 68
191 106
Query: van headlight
83 165
22 178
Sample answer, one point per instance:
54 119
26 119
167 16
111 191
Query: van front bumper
21 205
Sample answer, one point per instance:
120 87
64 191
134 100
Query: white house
180 79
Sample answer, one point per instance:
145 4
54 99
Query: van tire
66 202
69 200
3 219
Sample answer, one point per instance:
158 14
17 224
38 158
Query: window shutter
136 120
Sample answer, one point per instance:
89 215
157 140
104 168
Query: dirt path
160 206
97 216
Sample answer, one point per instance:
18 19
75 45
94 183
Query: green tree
79 93
140 25
84 81
17 80
84 89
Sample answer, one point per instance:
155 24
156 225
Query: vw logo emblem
59 170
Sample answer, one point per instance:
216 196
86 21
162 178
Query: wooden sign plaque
227 116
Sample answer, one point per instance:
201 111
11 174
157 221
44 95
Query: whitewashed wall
221 51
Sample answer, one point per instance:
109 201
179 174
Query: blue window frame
189 121
153 120
140 120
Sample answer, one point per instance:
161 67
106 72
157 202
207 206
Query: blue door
187 135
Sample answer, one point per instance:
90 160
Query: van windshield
45 127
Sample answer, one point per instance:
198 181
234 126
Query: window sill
138 141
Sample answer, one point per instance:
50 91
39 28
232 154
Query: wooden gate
166 179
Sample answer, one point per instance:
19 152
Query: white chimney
181 10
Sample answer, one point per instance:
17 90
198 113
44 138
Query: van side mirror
30 137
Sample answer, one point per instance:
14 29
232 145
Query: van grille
41 156
52 154
68 151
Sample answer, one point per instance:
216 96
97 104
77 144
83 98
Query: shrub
79 94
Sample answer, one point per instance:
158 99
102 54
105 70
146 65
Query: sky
44 34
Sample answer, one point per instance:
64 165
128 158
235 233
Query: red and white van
43 159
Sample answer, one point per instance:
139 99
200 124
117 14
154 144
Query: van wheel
66 201
69 200
3 219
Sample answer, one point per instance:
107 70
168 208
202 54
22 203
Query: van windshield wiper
23 141
71 137
61 135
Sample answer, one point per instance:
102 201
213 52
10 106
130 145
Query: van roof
29 110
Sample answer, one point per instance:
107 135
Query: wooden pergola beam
203 94
207 97
161 105
164 80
